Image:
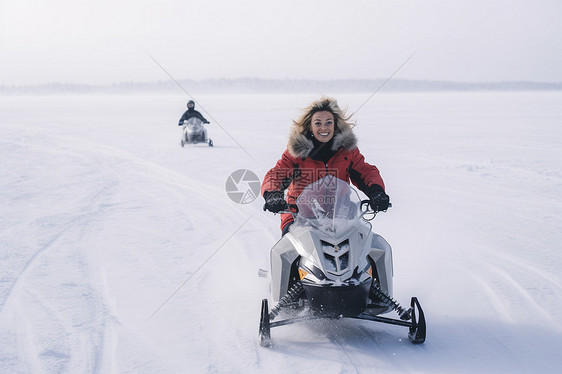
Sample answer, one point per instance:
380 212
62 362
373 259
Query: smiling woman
321 143
323 126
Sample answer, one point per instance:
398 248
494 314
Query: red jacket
295 170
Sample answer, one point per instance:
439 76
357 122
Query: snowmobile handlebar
291 209
366 210
365 205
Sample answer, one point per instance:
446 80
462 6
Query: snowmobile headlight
312 272
302 273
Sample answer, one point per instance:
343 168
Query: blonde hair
328 104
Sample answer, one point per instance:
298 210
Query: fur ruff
300 145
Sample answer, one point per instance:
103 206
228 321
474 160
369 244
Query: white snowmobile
194 132
331 265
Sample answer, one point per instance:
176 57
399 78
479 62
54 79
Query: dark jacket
191 113
301 164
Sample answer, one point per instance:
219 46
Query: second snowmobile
194 132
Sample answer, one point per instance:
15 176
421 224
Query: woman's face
322 126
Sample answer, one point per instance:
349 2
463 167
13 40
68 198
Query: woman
321 143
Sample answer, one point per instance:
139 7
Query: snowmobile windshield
194 121
330 205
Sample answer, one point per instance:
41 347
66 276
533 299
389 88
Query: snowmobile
194 132
330 264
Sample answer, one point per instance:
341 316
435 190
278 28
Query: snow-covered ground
120 251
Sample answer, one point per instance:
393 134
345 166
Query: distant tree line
256 85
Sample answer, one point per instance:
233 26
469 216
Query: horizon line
286 84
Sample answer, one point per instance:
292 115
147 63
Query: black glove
274 201
378 199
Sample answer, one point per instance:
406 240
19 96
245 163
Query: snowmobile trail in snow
104 215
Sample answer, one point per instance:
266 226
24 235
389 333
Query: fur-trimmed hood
301 145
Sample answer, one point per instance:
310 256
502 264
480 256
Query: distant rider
191 112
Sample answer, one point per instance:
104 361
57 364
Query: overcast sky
109 41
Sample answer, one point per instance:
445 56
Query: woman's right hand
274 201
